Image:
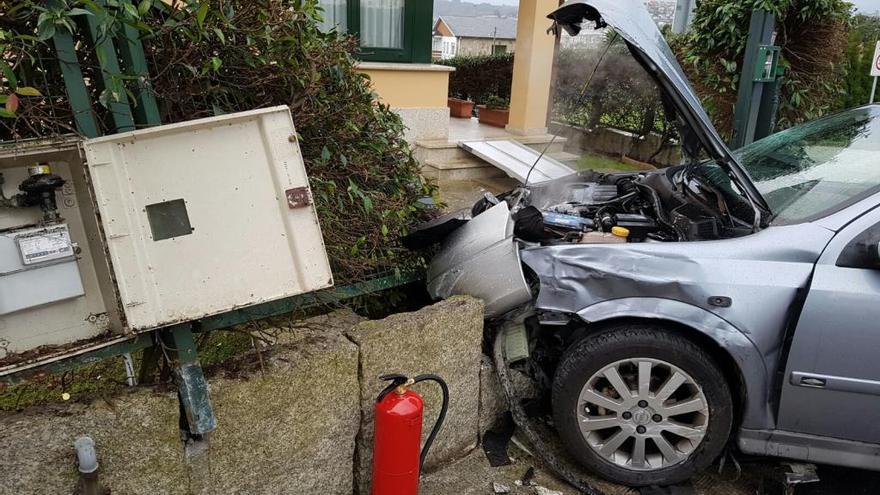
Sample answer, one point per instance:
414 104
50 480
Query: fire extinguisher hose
429 377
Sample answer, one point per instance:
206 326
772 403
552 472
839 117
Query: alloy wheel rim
642 414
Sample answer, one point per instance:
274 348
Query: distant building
457 35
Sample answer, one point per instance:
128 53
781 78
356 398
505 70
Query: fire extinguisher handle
396 380
430 377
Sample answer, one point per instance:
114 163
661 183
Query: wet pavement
458 194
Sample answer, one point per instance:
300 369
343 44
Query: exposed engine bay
592 207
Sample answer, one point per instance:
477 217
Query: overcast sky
515 2
866 6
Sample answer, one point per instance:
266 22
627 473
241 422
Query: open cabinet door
206 216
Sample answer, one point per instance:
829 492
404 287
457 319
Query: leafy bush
813 37
476 78
863 35
498 103
208 58
620 94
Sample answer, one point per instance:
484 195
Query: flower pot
462 109
494 116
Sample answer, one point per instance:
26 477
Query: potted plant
462 109
495 112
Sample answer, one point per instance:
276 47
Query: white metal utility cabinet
102 239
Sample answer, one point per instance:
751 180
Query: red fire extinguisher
397 460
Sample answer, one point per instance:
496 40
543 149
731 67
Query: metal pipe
873 90
130 376
87 463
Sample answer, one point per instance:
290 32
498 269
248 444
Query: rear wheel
641 405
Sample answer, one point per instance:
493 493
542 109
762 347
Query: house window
382 23
389 30
335 15
496 49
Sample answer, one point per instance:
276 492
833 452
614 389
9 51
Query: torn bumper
481 259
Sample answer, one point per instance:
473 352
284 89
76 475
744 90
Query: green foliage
863 36
476 78
208 58
497 102
620 94
812 34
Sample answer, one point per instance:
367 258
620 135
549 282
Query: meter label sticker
47 245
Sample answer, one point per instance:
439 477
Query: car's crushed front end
654 310
690 202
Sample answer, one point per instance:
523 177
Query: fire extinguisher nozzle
403 387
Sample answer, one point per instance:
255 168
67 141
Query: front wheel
641 405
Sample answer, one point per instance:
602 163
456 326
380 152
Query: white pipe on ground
87 463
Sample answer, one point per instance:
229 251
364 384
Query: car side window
861 252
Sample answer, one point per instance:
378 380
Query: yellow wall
409 85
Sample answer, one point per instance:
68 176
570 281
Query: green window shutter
422 32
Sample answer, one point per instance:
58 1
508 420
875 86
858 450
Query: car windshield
814 169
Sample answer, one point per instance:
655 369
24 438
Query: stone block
443 339
136 436
288 426
493 404
292 428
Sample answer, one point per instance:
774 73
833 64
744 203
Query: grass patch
107 378
602 163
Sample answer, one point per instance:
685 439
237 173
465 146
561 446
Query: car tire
621 352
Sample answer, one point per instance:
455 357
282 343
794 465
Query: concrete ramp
515 159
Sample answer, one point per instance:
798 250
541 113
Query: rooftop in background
481 27
475 8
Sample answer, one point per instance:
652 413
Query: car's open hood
633 23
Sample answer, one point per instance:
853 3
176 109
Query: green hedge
620 95
476 78
813 36
864 33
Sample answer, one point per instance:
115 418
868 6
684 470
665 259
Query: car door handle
812 381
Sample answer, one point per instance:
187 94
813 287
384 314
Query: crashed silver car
668 312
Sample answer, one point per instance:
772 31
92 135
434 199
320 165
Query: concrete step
466 169
439 152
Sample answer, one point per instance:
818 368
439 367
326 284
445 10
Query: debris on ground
540 490
499 488
496 440
528 476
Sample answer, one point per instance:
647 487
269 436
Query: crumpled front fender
481 259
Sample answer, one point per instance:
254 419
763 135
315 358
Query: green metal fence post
751 86
74 84
192 387
117 100
131 50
